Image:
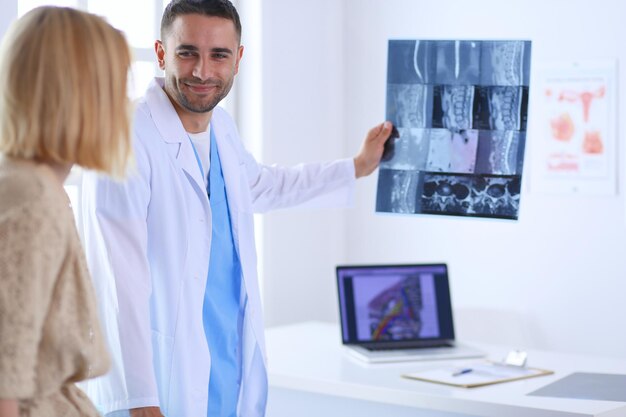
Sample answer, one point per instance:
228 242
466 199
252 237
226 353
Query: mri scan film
460 109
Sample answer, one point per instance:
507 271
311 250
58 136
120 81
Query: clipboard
479 374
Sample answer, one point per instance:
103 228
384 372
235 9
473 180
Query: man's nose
203 69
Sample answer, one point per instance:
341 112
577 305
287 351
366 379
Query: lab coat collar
173 132
163 113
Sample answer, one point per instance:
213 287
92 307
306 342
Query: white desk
311 375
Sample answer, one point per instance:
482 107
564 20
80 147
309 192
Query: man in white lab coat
171 249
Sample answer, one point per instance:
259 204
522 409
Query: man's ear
239 55
160 53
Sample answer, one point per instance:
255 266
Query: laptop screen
387 303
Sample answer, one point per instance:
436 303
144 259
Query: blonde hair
63 78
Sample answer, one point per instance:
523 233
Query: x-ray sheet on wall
460 109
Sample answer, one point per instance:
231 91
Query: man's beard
221 92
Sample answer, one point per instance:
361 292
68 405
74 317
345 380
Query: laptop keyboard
396 347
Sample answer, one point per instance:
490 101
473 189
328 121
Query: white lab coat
148 244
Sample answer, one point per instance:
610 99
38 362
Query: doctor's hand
372 149
146 412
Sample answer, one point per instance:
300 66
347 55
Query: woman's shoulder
27 188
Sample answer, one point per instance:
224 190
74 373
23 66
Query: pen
462 372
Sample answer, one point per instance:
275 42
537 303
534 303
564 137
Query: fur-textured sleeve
31 252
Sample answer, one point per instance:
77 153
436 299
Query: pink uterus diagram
585 97
564 126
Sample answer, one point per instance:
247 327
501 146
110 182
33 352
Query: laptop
392 313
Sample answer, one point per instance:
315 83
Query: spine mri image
460 109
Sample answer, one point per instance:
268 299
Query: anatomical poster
460 109
575 147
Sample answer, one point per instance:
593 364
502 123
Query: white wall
8 12
303 106
556 279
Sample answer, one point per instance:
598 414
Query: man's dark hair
217 8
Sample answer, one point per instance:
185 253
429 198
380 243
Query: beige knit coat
49 331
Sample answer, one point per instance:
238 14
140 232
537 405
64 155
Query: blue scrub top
222 314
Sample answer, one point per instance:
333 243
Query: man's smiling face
200 56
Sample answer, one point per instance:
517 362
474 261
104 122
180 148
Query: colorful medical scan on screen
387 303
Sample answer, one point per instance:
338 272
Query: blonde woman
62 102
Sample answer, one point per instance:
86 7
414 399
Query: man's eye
185 54
220 56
